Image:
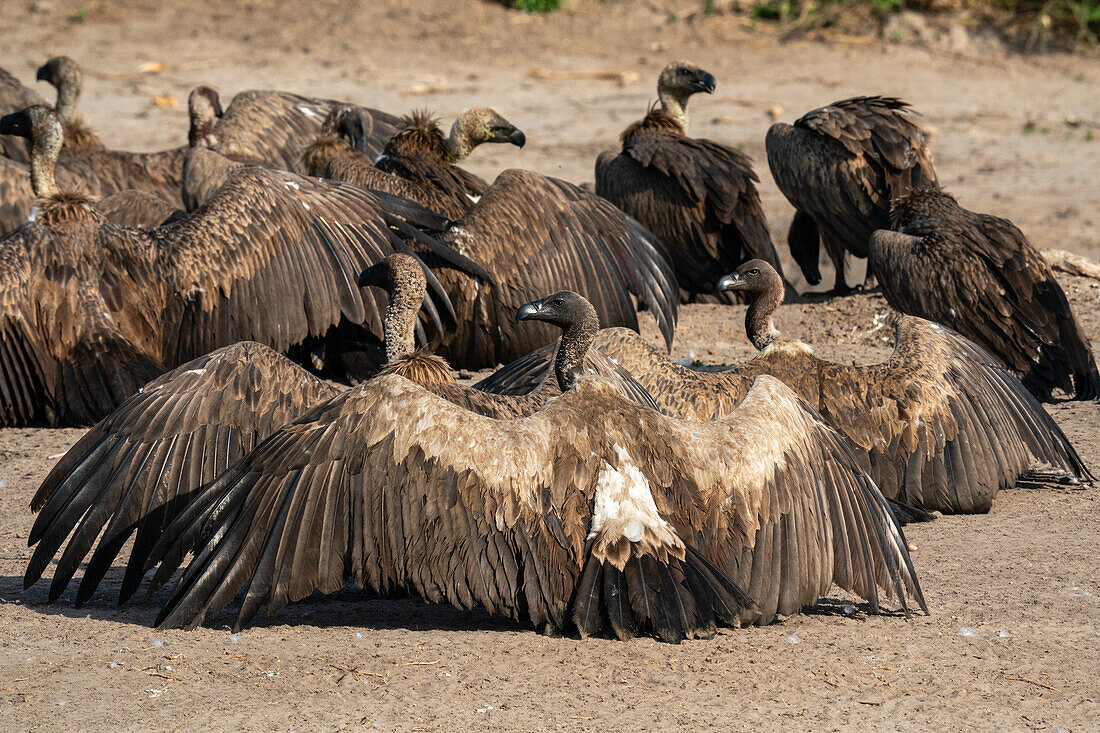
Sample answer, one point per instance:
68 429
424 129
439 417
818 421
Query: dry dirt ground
1013 638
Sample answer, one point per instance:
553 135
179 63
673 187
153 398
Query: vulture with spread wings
979 275
840 166
593 512
89 310
940 425
698 196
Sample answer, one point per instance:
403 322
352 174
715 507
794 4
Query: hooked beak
517 138
17 123
733 281
529 311
43 74
706 82
370 275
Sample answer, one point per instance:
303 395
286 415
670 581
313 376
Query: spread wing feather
141 466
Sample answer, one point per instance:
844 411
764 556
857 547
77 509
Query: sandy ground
1013 637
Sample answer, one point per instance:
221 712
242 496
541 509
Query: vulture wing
943 423
392 487
358 171
699 197
537 235
16 196
140 467
73 338
998 291
272 128
295 245
843 163
133 208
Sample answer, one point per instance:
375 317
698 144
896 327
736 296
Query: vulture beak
706 82
529 311
733 281
517 138
370 276
17 123
43 74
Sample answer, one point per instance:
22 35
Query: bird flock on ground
262 327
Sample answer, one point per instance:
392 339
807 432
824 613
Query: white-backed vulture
187 426
840 166
698 196
593 513
13 97
418 162
979 275
90 310
940 425
272 128
64 75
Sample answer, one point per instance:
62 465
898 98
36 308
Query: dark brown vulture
89 310
13 97
535 234
698 196
187 426
979 275
593 513
940 425
418 163
840 166
65 76
272 128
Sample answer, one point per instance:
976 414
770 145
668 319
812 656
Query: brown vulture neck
399 326
202 128
758 319
576 340
675 105
44 151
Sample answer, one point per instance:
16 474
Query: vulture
14 97
698 196
271 128
342 133
940 425
418 163
189 425
90 310
65 76
536 234
592 513
979 275
840 166
204 171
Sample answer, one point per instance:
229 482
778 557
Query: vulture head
765 288
804 241
41 126
346 127
677 82
64 75
481 125
204 107
579 322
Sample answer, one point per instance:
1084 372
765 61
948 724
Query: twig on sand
424 664
620 77
1030 682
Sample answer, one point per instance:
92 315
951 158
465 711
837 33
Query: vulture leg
837 255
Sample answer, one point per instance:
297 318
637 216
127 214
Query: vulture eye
754 272
557 302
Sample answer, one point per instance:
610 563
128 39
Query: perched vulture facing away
186 427
14 97
89 310
535 235
979 275
418 163
840 166
272 129
698 196
939 426
593 513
